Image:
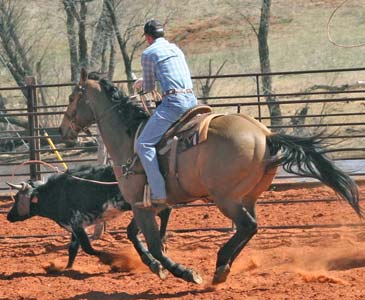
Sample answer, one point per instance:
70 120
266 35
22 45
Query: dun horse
235 164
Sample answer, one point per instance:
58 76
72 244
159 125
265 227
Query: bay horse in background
236 163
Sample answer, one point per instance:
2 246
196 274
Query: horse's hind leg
244 216
244 219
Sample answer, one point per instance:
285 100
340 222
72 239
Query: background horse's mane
131 114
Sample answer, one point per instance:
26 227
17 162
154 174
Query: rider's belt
177 91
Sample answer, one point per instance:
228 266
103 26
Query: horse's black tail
304 156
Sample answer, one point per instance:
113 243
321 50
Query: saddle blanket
189 134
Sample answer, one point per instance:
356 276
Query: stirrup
148 202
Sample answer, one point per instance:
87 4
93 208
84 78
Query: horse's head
79 115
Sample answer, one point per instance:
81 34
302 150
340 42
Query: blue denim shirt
165 62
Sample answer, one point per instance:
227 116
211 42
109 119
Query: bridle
75 128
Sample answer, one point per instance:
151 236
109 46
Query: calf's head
21 210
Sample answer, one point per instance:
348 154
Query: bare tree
126 45
127 26
207 85
72 38
103 37
17 47
264 55
76 12
13 54
78 31
112 58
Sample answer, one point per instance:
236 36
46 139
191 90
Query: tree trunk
43 96
14 55
13 36
112 60
83 55
123 47
274 108
102 35
72 39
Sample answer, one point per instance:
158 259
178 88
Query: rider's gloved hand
138 84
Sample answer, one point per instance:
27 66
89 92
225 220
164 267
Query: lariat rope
58 171
156 98
328 30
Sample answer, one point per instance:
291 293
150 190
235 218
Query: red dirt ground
318 263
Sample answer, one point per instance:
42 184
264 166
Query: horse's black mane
130 113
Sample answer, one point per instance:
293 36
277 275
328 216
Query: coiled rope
328 30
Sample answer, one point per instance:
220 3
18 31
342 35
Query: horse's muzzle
67 135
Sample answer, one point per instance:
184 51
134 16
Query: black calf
75 204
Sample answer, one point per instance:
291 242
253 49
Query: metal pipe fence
339 111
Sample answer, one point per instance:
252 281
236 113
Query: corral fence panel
330 102
321 101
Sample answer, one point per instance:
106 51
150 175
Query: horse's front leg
147 224
154 265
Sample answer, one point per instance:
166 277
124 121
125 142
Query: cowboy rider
164 62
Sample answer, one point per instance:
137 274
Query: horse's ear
83 76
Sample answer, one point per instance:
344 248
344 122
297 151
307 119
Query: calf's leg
84 241
72 251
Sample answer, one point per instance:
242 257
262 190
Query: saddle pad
204 126
194 132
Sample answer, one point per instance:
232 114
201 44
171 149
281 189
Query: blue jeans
167 113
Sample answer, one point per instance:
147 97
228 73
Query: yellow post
58 155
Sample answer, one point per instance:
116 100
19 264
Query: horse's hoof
159 270
221 274
192 276
162 273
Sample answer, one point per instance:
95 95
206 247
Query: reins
156 98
